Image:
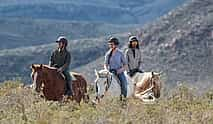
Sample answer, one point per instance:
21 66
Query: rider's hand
119 70
140 71
60 70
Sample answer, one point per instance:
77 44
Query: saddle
71 74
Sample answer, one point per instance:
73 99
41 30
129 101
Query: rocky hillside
15 63
180 44
18 32
25 23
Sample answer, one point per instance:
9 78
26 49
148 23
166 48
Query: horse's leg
134 88
97 89
85 94
107 84
105 90
148 98
139 96
86 98
79 97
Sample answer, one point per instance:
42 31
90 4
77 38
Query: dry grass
23 106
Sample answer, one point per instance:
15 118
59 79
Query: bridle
107 83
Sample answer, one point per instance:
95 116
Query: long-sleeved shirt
60 59
133 61
117 59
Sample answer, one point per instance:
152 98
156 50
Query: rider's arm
127 59
125 66
67 62
140 60
106 64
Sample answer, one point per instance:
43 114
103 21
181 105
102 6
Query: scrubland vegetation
182 105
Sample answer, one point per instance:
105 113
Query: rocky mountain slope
180 44
25 23
18 32
110 11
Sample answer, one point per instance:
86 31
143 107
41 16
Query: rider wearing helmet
60 58
133 56
116 63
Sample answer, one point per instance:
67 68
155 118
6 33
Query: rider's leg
68 90
123 82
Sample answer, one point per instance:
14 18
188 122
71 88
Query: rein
109 82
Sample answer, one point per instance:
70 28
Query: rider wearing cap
116 63
60 58
133 56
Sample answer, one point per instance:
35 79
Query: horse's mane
47 69
51 68
74 73
46 66
147 76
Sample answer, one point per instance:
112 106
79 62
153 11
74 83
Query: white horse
106 84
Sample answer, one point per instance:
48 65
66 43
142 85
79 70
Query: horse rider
116 63
133 56
60 58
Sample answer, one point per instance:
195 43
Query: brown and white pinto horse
53 84
146 86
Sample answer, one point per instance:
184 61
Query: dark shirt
60 59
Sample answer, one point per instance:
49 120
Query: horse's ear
160 73
152 74
32 66
41 65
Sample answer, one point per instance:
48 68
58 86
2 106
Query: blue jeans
123 84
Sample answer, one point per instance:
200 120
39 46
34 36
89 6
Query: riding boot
69 88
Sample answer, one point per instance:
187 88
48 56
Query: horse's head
102 82
37 76
156 83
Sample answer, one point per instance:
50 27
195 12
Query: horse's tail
85 92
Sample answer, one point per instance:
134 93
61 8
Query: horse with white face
106 84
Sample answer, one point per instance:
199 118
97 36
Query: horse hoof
70 97
95 101
42 96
